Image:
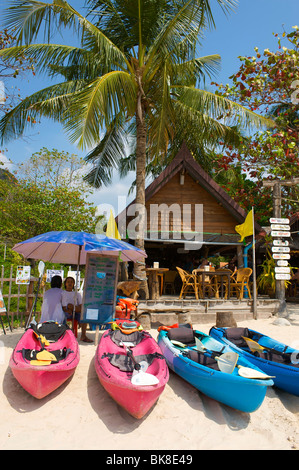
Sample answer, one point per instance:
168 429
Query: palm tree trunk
139 267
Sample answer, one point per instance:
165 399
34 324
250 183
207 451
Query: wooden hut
182 190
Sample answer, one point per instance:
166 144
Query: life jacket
126 326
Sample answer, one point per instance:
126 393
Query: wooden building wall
216 219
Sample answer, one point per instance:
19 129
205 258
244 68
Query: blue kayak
202 369
269 355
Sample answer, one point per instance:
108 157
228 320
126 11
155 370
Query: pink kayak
44 358
131 368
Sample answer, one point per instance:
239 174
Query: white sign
274 220
23 275
280 249
54 272
275 233
282 262
282 270
281 256
283 277
280 227
281 242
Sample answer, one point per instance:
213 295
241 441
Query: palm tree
134 73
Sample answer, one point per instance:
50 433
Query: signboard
282 277
280 242
285 270
276 233
282 262
2 304
54 272
281 256
100 283
280 249
280 227
274 220
23 275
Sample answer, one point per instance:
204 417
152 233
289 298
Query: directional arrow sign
280 227
282 262
280 249
281 242
281 256
282 277
276 233
275 220
282 270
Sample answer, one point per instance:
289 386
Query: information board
99 294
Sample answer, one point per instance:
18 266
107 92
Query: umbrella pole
76 288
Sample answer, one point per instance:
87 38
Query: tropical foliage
266 83
134 73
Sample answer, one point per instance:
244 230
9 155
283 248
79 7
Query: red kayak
44 358
130 366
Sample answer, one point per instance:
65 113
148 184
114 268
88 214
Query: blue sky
237 34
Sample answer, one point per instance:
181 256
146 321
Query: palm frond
106 157
97 104
221 108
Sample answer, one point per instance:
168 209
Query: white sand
81 415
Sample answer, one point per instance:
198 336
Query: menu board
99 295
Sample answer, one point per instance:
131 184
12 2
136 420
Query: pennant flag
246 228
112 230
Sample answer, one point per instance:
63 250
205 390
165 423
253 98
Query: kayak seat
235 336
117 336
33 354
182 334
126 364
51 330
202 359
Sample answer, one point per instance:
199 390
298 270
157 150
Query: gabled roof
184 161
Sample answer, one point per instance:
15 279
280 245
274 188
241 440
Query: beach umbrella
71 247
112 230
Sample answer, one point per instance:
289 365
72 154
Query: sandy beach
81 415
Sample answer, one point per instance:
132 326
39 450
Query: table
221 274
153 281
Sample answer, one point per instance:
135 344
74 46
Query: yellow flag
246 228
112 230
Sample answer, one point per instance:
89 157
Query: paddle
139 377
246 372
228 361
41 268
254 345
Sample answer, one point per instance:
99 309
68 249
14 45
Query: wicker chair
240 280
189 283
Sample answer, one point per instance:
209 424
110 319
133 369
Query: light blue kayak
272 357
202 369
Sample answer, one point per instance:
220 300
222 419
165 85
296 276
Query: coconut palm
134 73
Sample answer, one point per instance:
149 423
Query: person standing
52 302
68 301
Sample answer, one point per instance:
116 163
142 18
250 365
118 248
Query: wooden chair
239 280
169 278
189 283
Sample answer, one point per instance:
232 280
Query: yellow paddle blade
44 340
41 338
253 345
40 363
45 356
